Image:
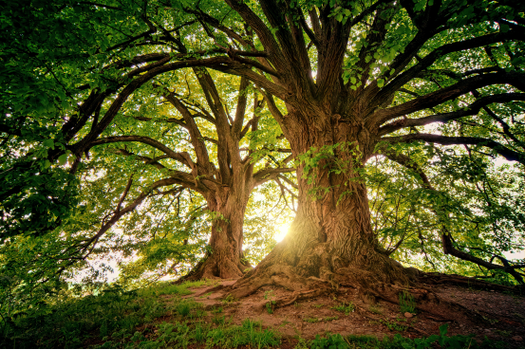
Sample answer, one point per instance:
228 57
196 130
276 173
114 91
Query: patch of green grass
69 321
183 335
229 299
183 309
168 288
320 319
347 309
250 334
219 320
394 326
330 341
332 318
337 341
318 305
188 308
407 303
376 309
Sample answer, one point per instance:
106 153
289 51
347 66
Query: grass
393 325
269 295
132 319
337 341
407 303
320 319
347 309
376 309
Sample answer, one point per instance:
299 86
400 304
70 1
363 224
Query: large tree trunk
224 258
330 242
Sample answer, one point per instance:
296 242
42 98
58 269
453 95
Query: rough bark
331 241
224 258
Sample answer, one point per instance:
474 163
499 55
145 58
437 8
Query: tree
347 81
117 73
359 78
202 125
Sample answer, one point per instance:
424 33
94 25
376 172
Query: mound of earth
496 315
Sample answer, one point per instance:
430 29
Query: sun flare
281 232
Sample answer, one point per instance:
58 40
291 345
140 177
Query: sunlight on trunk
281 231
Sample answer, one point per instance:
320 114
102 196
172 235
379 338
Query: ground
499 316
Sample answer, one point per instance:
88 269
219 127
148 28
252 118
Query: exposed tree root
311 269
421 288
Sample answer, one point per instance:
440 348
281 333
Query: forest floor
490 316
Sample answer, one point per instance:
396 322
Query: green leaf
62 159
49 143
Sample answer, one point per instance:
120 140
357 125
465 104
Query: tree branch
386 93
472 109
182 157
435 98
503 151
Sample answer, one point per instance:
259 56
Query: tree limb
503 151
472 109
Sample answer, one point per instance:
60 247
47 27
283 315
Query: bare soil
496 315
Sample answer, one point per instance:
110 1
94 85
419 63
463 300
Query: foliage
41 70
407 303
115 318
332 341
438 85
480 201
345 308
68 321
337 341
269 295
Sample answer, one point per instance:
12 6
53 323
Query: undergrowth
442 341
116 318
68 322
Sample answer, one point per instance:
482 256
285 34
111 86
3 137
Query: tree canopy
405 120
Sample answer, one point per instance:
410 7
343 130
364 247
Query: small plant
490 320
347 309
332 318
320 319
183 309
301 343
319 305
407 303
331 341
505 334
394 326
376 309
229 299
269 295
218 319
